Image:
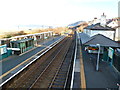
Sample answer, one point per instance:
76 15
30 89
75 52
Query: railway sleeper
56 87
63 70
66 63
60 73
65 67
60 78
59 81
58 84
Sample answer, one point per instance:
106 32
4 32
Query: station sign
45 37
3 49
110 52
92 47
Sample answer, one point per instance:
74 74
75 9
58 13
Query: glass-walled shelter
23 45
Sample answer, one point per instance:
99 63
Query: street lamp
97 65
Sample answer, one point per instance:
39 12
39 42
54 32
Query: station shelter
109 49
38 37
22 45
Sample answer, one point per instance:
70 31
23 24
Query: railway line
50 70
6 77
60 79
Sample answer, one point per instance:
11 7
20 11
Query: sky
53 12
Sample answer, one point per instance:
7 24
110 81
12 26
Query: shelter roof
99 27
23 40
102 40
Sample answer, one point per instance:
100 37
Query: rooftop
99 27
102 40
23 40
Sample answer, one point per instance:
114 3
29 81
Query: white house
117 35
100 28
115 23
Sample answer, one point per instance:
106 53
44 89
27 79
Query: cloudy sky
53 12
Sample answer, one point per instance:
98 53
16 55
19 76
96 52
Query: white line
44 70
71 86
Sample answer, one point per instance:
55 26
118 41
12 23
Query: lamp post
97 65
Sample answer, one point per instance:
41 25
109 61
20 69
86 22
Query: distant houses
115 23
100 27
107 27
106 33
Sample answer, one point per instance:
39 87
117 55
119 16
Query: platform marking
73 71
28 59
53 44
82 75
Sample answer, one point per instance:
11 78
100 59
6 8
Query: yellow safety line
12 69
18 65
82 75
20 54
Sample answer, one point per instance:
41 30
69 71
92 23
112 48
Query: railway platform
105 78
55 63
86 77
14 63
76 80
79 64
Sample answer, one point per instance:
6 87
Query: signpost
96 47
97 65
110 54
3 49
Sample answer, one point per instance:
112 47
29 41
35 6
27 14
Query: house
117 35
100 28
115 23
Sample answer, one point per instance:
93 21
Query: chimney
103 20
95 20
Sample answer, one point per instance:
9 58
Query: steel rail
47 67
38 56
50 86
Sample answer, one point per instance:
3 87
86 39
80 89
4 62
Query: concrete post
97 65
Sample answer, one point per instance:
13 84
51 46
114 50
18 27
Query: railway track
11 74
61 68
60 79
47 70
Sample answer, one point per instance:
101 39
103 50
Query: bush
8 36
